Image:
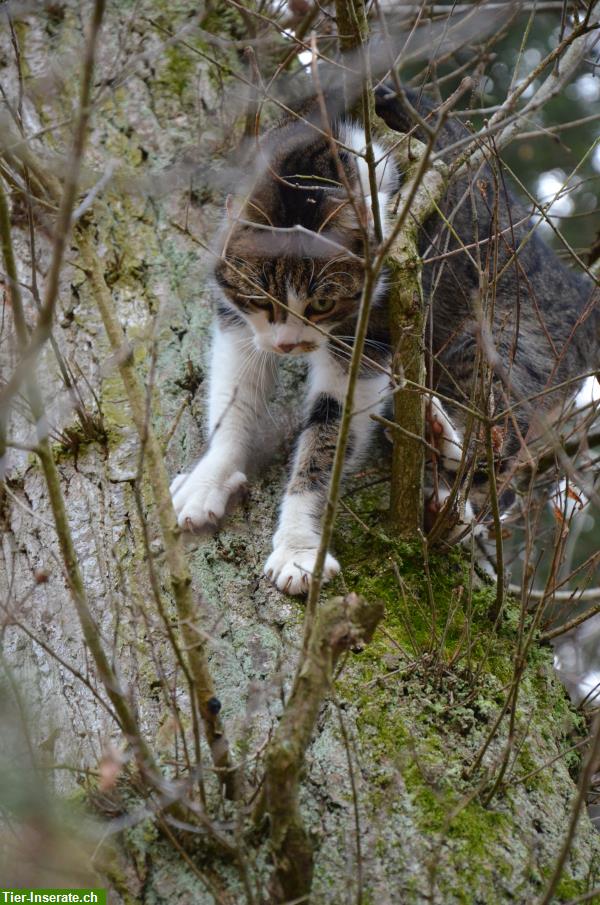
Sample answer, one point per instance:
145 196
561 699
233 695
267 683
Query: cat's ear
251 210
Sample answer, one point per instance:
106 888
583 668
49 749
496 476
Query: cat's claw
200 499
291 569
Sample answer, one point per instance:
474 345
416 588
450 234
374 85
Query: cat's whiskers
245 345
268 362
368 342
260 383
336 273
345 357
328 281
251 365
264 378
335 285
243 342
258 397
256 364
329 263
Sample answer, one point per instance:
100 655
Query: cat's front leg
238 384
297 539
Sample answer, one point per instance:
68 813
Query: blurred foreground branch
181 583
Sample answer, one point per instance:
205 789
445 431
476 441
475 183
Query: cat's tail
397 113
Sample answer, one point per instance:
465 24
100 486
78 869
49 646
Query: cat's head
290 301
292 251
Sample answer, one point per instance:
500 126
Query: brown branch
572 623
420 193
342 624
181 582
507 122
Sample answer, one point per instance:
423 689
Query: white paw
200 498
444 435
291 569
177 482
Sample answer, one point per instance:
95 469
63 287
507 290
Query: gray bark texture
386 796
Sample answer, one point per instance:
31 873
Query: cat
292 245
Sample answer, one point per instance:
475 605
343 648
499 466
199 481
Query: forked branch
343 623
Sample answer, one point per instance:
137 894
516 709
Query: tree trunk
388 800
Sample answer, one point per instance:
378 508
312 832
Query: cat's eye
259 301
262 301
322 306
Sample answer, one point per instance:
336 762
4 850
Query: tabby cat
292 247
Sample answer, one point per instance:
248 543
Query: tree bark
384 797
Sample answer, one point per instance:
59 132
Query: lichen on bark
415 706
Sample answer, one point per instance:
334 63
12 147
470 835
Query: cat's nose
286 347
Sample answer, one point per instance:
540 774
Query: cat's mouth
294 348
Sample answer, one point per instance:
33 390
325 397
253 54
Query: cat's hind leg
444 436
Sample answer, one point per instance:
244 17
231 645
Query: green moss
421 754
439 809
528 764
119 142
117 416
428 689
21 29
116 413
435 612
429 604
178 71
569 888
76 437
225 18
